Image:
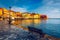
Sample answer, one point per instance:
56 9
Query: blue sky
48 7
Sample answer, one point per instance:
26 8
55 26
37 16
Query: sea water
50 26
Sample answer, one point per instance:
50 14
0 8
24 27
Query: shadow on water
38 29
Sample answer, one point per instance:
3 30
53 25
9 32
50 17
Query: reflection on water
26 22
18 34
50 26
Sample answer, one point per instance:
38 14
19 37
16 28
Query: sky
49 7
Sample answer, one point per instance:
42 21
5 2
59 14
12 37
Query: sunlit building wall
36 16
1 10
18 15
5 13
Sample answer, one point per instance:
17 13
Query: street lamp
9 18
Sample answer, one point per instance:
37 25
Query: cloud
50 8
19 9
55 13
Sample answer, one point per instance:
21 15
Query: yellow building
18 15
5 13
1 10
26 15
36 16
